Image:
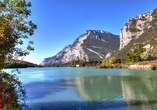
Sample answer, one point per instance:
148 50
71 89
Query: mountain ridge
98 44
84 49
140 29
136 26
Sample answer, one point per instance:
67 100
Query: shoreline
142 67
146 65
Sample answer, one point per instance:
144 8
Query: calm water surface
90 89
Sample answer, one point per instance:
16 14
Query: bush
135 54
12 92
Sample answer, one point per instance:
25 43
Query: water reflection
74 90
98 89
140 92
42 89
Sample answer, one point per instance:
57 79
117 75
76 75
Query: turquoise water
90 88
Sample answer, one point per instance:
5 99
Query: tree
135 54
73 63
14 29
81 63
107 62
12 91
155 50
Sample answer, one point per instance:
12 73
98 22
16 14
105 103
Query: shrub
12 92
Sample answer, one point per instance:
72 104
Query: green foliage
135 54
8 107
149 36
14 28
12 91
155 50
154 13
146 38
83 63
108 62
19 64
154 21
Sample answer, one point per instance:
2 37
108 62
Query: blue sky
60 22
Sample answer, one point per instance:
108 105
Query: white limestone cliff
90 41
71 52
134 28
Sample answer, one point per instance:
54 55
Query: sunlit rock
92 45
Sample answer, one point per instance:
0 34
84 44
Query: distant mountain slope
19 64
92 45
141 29
99 43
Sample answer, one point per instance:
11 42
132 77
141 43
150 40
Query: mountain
140 29
92 45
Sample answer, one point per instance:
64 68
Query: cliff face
141 29
92 45
69 53
136 27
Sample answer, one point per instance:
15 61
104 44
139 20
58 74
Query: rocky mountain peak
137 26
91 45
96 31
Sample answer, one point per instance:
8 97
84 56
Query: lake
67 88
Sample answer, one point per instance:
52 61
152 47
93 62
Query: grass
153 63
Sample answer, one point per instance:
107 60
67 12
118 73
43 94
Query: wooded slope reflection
98 89
95 92
138 92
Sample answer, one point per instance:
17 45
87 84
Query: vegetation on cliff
138 57
134 55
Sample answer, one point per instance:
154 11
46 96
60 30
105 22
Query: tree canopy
134 55
155 50
12 91
14 29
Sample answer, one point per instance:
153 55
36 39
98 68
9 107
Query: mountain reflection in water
92 89
140 92
98 89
